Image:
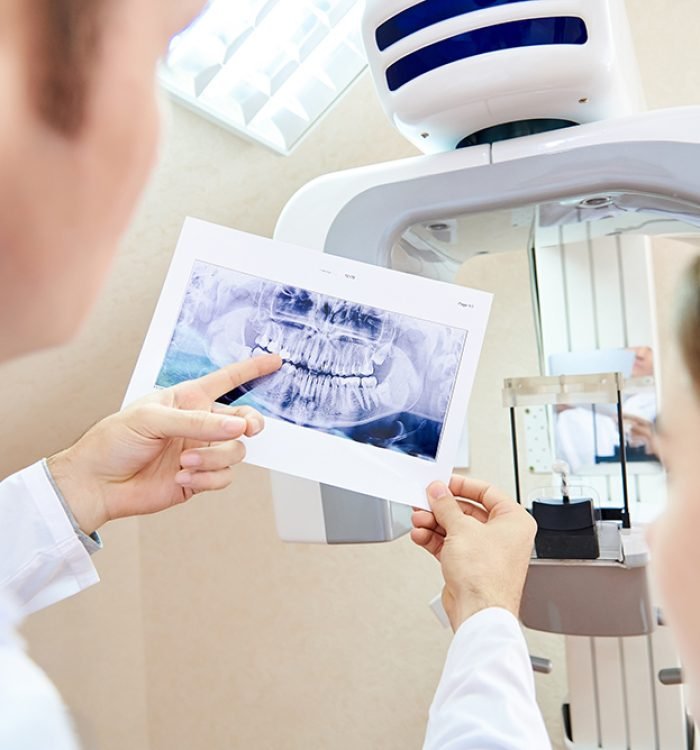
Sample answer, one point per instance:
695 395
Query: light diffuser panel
267 69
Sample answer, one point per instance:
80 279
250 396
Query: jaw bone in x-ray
351 370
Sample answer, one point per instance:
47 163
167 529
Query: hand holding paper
162 450
483 542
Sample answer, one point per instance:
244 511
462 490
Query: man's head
643 366
78 138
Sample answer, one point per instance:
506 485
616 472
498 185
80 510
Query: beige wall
206 631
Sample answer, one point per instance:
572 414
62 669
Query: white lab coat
42 561
486 696
485 699
582 434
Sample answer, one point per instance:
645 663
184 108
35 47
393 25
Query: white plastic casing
597 80
310 215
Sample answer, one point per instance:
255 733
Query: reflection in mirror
587 437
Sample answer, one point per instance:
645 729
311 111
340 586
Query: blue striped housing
426 14
534 32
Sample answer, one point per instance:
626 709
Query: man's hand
483 542
161 450
641 432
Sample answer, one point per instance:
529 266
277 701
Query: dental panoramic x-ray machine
526 105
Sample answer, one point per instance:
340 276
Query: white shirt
42 561
486 696
582 433
485 699
32 715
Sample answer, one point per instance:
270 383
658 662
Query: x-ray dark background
357 372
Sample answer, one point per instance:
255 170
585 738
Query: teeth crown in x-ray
350 369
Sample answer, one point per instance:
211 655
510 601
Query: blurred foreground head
78 138
675 548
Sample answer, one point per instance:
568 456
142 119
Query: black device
566 529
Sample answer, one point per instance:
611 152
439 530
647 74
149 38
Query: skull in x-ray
344 363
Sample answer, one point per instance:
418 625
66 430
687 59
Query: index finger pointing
228 378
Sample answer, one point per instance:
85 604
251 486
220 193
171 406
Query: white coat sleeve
486 696
42 560
32 714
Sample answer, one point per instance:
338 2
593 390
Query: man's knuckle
239 452
145 412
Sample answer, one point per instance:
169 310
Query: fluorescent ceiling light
267 69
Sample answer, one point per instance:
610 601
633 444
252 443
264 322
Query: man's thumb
444 506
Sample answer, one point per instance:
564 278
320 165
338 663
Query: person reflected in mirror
586 436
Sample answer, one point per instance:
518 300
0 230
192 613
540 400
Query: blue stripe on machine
526 33
426 14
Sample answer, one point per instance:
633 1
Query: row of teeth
335 394
351 382
347 361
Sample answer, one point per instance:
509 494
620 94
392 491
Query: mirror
587 437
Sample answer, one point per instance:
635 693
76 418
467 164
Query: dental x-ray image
358 372
378 365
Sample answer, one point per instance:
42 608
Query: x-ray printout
378 365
